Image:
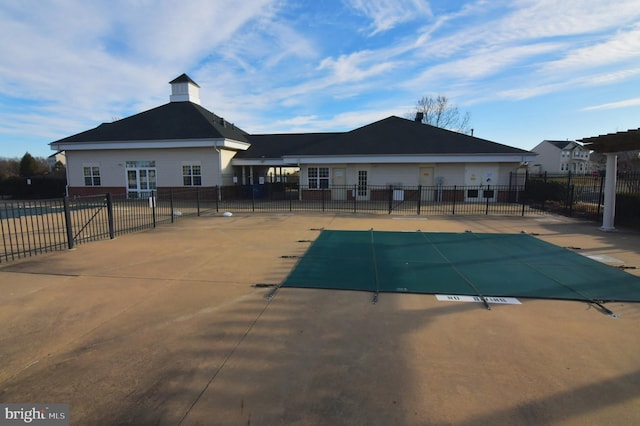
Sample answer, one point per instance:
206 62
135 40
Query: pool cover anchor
600 306
485 302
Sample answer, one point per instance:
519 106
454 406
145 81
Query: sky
525 70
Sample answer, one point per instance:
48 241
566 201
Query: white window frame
93 177
319 177
189 175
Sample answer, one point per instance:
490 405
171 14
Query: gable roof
395 135
560 144
175 120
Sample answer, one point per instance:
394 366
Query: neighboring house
561 157
181 144
56 158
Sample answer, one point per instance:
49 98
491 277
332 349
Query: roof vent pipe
419 117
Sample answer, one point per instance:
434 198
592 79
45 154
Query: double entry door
141 179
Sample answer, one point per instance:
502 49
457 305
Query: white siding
549 158
169 162
450 174
409 174
227 169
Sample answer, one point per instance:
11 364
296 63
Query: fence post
198 200
600 194
419 198
390 198
455 195
253 198
571 190
354 194
112 233
153 207
322 197
67 219
217 198
486 211
171 203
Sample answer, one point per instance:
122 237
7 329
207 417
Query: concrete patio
168 327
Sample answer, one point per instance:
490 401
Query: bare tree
9 167
440 112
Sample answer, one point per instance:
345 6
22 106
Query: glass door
362 191
141 179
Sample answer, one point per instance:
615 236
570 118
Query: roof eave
412 158
150 144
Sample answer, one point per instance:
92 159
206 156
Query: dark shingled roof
175 120
395 135
277 145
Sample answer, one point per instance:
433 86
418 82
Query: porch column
610 193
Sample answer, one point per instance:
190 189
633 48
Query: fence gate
88 219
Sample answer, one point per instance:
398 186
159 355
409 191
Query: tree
9 167
30 166
440 112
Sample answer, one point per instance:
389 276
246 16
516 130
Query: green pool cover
507 265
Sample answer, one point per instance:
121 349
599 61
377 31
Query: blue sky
526 70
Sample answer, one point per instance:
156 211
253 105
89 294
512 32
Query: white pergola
610 145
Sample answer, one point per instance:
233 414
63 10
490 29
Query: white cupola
183 89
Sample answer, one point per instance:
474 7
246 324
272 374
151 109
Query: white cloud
355 67
614 105
622 46
335 123
386 14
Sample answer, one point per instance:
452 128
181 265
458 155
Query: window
140 164
91 175
191 175
318 177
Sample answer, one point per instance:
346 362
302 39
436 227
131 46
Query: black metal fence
408 200
39 226
583 195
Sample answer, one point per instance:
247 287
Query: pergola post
610 193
